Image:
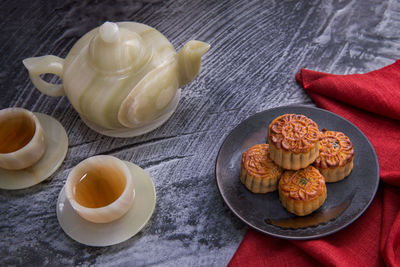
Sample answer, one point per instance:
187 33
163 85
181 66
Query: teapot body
123 79
97 95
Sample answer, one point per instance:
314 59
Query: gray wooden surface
256 49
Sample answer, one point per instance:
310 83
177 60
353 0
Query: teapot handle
42 65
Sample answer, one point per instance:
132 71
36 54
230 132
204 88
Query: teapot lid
116 50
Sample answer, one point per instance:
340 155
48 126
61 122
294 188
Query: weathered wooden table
256 49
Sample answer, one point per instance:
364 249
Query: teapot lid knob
117 50
109 32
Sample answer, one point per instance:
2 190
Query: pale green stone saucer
57 147
107 234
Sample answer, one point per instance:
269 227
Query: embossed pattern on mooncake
294 132
335 150
305 184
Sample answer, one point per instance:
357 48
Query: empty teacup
100 189
22 139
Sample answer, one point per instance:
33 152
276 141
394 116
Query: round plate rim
287 236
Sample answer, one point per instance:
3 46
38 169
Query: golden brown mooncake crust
258 172
302 192
294 133
336 154
294 141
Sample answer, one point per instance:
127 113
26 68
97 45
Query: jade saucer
56 150
107 234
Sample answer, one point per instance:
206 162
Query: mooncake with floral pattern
336 154
302 192
294 141
258 172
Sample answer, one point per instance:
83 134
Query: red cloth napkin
372 102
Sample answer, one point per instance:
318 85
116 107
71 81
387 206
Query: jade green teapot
122 78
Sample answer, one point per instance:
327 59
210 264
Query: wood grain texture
256 49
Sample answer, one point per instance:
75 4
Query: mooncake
293 141
258 172
303 191
336 153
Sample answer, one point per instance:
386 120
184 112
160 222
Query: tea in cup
22 139
100 189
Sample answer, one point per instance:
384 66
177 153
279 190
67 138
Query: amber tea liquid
99 187
16 131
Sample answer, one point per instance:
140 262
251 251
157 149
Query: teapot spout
189 60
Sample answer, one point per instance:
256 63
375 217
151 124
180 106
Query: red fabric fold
377 91
372 102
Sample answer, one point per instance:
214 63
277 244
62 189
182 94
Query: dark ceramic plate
346 200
